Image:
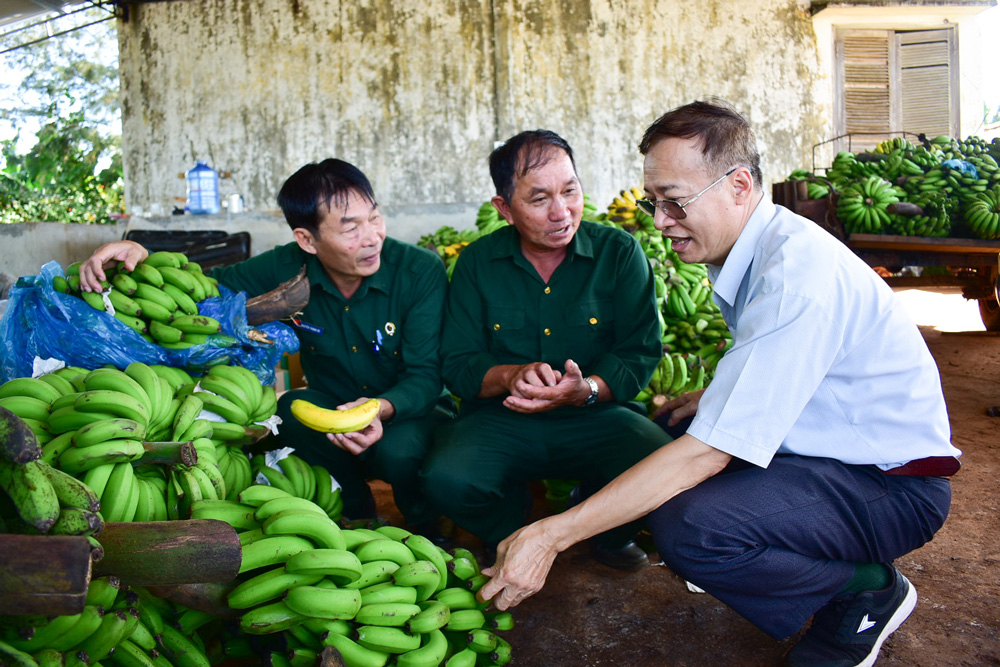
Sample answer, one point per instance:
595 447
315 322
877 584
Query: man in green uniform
550 330
371 329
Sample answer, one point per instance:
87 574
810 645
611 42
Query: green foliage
68 90
58 179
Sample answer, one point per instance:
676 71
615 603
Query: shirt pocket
505 325
591 326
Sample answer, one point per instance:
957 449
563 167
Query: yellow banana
335 421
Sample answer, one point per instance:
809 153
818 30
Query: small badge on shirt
390 328
305 326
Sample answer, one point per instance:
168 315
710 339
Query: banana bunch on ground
158 300
374 595
118 626
981 213
863 206
298 478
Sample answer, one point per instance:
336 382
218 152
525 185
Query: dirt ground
589 615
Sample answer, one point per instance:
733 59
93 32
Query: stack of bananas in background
694 334
955 183
158 300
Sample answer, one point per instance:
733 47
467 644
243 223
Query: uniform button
593 320
347 307
365 387
496 327
354 348
548 290
312 348
548 332
395 353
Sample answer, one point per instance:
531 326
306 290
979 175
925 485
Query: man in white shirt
821 449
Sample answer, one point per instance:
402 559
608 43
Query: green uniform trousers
478 471
396 458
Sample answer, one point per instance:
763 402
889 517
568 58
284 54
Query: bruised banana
335 421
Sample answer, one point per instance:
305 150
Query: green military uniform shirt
400 305
598 309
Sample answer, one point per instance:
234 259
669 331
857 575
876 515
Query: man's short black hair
522 153
304 195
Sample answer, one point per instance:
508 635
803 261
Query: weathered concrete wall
25 248
416 92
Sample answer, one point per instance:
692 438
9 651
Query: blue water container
202 190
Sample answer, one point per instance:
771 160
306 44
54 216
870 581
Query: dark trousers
776 544
396 458
478 471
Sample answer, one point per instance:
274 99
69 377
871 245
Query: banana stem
167 453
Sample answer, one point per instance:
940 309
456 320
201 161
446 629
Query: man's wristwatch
594 391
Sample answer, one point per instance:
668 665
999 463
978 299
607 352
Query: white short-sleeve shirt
825 362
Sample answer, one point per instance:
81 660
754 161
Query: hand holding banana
355 442
92 273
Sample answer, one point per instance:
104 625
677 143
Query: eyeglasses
671 207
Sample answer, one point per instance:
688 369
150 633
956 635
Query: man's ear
500 204
742 185
305 239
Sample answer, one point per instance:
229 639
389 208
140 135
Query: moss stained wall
416 92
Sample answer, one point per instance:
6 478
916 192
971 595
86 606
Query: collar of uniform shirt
380 280
580 245
726 280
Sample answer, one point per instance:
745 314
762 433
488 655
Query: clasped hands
537 387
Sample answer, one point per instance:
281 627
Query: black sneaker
849 631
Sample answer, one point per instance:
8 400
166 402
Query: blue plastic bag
41 322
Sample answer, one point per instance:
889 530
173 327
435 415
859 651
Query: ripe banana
335 421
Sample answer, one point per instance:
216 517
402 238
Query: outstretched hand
523 563
129 253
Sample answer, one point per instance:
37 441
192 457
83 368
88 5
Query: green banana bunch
862 206
158 299
981 213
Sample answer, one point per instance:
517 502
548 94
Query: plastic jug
202 189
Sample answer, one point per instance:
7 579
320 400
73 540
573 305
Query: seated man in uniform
550 330
371 328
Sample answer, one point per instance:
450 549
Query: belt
932 466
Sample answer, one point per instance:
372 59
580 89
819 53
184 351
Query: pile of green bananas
127 627
816 188
863 205
373 594
297 478
923 174
982 213
158 300
42 499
